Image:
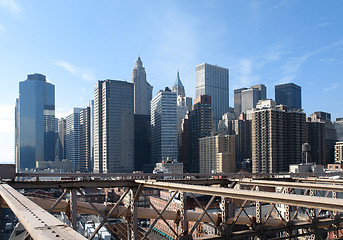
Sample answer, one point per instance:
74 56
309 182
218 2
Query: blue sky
75 43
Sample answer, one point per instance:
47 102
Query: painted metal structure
296 206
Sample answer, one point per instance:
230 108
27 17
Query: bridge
255 206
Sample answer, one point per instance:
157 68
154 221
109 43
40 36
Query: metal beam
38 223
298 185
267 197
72 184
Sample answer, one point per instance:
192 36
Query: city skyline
77 43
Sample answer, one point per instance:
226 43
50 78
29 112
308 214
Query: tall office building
36 122
316 131
238 100
217 154
247 98
98 136
277 137
241 128
288 94
184 105
330 134
73 138
142 130
339 128
213 81
86 139
200 123
61 139
297 135
142 89
163 126
113 127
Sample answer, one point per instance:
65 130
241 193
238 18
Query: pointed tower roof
178 82
139 62
178 86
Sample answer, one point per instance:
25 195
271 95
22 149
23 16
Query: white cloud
245 74
323 24
11 6
279 3
332 87
293 65
83 73
275 52
2 28
61 113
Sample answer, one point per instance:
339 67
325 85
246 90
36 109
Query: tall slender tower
142 89
184 104
142 99
73 138
36 117
113 127
200 125
86 120
213 80
163 126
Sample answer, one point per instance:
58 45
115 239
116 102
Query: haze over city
261 42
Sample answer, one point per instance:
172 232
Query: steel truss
288 214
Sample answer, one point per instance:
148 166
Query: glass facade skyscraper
35 140
213 80
164 126
288 94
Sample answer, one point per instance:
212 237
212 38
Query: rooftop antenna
139 50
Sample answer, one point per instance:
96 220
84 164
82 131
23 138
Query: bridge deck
39 223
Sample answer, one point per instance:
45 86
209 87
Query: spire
178 86
139 62
178 82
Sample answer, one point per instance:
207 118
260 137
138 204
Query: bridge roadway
32 216
39 223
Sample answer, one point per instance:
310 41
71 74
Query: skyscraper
241 128
269 151
339 128
113 127
36 122
86 151
61 139
238 100
142 132
163 126
200 123
288 94
277 137
247 98
178 86
73 138
184 104
330 134
213 80
142 89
